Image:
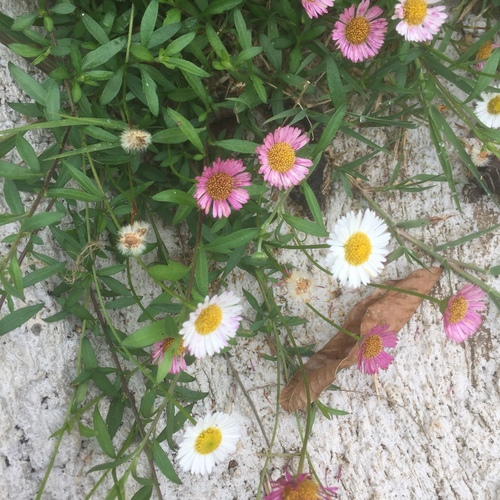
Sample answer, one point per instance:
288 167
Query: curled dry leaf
382 307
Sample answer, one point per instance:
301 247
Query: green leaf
144 493
201 274
16 276
12 197
112 88
244 34
88 355
259 87
246 54
17 318
215 42
237 239
115 286
111 465
24 22
494 271
148 22
103 437
177 45
220 6
110 270
164 464
141 53
62 8
237 145
154 332
187 129
28 84
95 29
171 136
103 54
187 66
27 153
121 303
150 91
305 226
176 196
85 183
334 82
38 221
53 103
313 204
15 172
330 130
24 50
43 273
173 271
74 194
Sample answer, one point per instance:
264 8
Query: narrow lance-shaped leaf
17 318
188 129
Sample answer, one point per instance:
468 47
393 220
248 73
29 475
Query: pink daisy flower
484 53
371 354
315 8
358 34
221 185
461 318
279 165
178 362
303 486
419 22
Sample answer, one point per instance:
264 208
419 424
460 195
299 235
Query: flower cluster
360 31
220 186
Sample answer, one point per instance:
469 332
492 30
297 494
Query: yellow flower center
208 320
458 309
485 51
208 441
168 342
306 490
281 157
415 11
372 346
494 106
220 186
357 249
357 30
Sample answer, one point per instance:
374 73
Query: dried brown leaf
380 308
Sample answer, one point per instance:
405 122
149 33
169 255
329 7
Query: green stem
330 322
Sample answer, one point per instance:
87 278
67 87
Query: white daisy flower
358 246
214 322
488 110
209 442
300 285
131 239
133 140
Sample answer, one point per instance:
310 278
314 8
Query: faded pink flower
279 165
461 318
178 361
371 354
359 34
419 22
484 53
315 8
302 487
222 185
